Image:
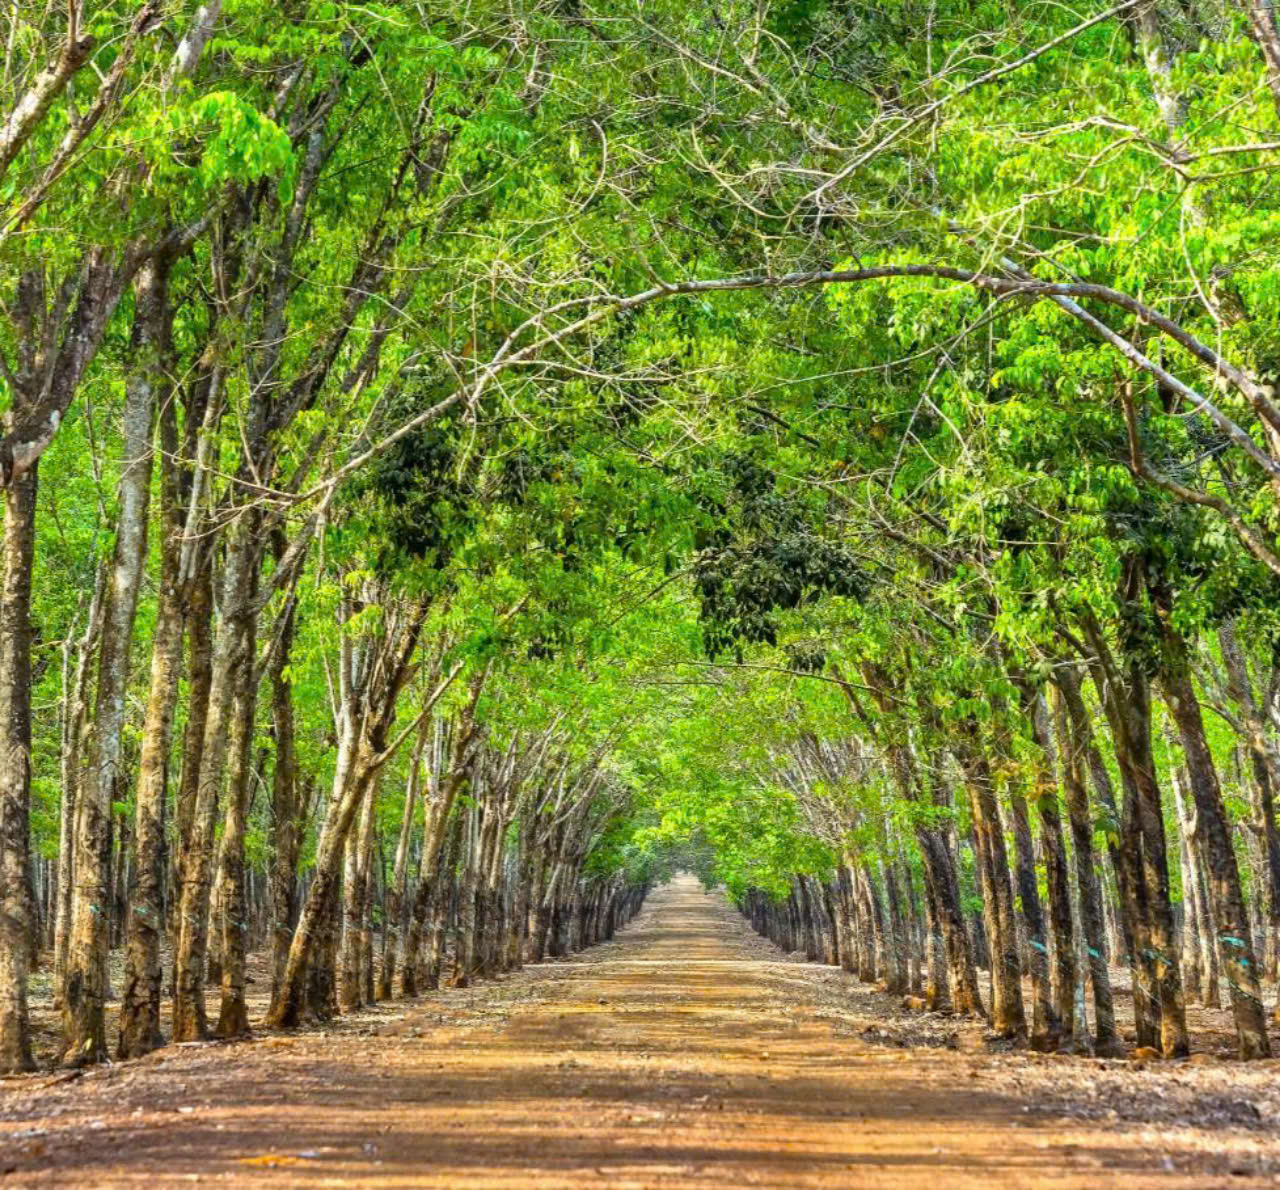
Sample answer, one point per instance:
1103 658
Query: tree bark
286 812
230 651
199 626
1045 1027
1266 772
15 771
1125 694
233 1012
140 1029
75 716
1071 754
1235 940
1054 850
351 949
1008 1016
84 1006
400 873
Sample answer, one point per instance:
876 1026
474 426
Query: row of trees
262 573
1039 591
955 879
421 424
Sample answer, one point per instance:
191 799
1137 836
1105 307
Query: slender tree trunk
875 915
1192 982
519 923
895 936
400 873
541 912
322 897
1054 850
1071 752
1045 1027
466 952
200 669
438 823
233 1013
438 920
1207 930
349 996
84 1007
230 651
1266 772
371 878
917 934
319 989
1068 681
286 811
1142 875
1269 874
850 943
355 946
15 771
1007 1013
75 716
1174 1042
1235 940
966 996
140 1029
140 1011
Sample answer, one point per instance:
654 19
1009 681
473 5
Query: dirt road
685 1053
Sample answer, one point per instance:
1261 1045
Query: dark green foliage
420 502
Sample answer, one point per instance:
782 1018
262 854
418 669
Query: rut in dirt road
686 1052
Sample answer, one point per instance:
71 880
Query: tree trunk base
233 1020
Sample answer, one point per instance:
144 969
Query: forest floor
687 1052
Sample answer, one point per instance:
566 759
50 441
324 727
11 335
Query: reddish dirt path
685 1053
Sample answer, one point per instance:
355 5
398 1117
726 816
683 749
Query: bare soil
686 1052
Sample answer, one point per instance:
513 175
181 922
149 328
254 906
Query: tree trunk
233 1012
1071 753
357 880
1045 1028
1266 773
15 771
140 1029
1143 872
1008 1016
1194 884
1235 940
140 1010
439 908
439 822
1068 681
349 996
200 670
75 716
322 897
394 920
966 996
230 651
1054 850
1140 765
1193 984
84 1011
895 936
286 810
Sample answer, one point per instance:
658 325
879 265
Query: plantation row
1054 913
